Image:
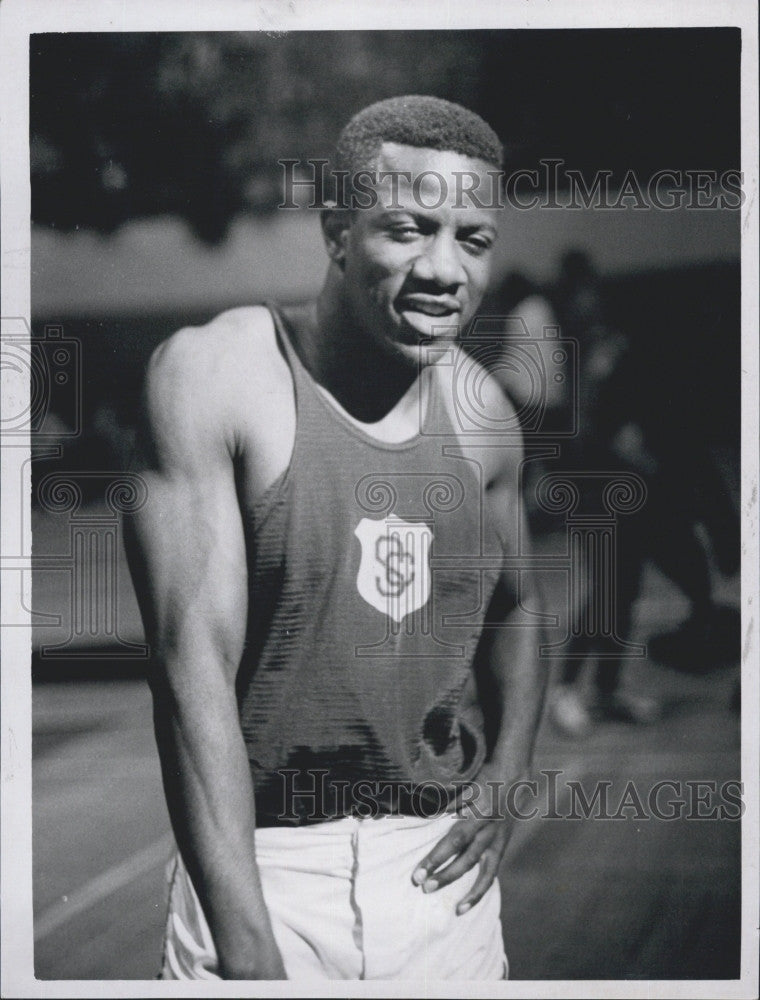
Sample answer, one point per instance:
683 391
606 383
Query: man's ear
335 224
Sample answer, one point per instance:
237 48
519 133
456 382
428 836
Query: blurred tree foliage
194 123
137 124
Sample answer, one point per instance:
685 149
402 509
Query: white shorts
343 906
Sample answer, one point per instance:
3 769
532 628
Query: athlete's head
415 120
412 248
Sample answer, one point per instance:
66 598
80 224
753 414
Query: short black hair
415 120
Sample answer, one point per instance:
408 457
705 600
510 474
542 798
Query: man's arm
512 682
187 555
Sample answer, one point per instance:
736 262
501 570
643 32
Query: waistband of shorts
265 820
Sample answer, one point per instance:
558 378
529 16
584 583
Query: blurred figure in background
608 439
522 321
525 312
621 428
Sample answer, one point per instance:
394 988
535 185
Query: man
320 567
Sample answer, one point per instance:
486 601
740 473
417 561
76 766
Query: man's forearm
518 679
512 682
210 797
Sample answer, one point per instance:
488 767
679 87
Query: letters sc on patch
394 572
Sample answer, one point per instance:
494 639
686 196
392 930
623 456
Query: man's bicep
187 549
186 544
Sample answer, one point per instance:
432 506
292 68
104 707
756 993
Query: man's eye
477 244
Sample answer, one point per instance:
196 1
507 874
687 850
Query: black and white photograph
379 511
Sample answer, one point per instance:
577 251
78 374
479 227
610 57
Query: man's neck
366 381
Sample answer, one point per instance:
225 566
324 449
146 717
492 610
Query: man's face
417 263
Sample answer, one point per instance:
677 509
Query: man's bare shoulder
215 365
212 382
477 402
237 344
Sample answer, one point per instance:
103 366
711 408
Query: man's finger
488 868
455 841
445 876
466 860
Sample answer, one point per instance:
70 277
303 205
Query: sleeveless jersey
357 691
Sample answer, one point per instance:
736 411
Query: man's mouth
430 305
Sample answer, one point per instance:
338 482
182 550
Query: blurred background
155 185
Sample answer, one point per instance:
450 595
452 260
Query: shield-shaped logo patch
394 573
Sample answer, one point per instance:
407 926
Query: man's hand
479 838
266 964
270 966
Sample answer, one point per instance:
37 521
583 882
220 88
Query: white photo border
19 19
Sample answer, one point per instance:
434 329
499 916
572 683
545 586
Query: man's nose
440 262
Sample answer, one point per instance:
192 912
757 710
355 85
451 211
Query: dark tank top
356 691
